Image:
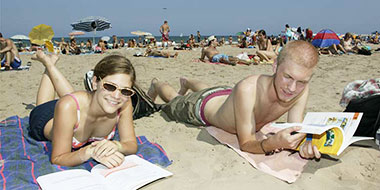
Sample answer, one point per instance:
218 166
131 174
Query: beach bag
142 104
370 122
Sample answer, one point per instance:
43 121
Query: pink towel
283 165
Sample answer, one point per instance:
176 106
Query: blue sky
220 17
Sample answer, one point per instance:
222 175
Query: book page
75 179
306 128
347 121
135 172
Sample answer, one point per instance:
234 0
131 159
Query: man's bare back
209 52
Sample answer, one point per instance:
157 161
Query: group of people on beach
81 124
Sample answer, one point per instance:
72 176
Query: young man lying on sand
214 56
253 102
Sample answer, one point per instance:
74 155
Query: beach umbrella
141 33
325 38
105 38
76 33
41 33
19 37
92 24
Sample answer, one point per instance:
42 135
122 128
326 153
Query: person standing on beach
164 30
214 56
198 37
251 104
9 56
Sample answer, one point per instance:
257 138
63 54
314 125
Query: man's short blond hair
299 52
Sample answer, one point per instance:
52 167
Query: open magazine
134 173
332 131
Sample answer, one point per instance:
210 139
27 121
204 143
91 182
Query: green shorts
187 109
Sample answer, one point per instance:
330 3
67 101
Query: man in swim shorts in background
164 30
9 56
251 104
214 56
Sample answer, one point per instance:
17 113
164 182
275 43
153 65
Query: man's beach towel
23 159
284 165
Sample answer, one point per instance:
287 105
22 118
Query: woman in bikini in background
81 124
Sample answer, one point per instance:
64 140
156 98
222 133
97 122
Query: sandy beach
199 161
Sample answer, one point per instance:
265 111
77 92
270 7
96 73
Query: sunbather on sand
332 50
9 55
266 51
214 56
346 42
156 53
254 102
81 124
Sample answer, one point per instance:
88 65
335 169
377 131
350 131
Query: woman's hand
111 161
104 148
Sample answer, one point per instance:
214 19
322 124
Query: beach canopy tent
19 37
325 38
40 34
105 38
141 33
76 33
92 24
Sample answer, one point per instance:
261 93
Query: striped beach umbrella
91 23
325 38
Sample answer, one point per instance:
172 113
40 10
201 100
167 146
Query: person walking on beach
251 104
81 124
164 30
9 56
214 56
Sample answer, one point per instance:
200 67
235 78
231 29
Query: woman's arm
126 130
65 118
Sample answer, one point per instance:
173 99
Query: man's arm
244 105
8 47
161 29
244 102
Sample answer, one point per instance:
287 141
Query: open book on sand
332 131
134 173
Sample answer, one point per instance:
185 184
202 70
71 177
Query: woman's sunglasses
128 92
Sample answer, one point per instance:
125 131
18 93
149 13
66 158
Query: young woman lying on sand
81 124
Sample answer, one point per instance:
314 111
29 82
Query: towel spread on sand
23 159
283 165
359 89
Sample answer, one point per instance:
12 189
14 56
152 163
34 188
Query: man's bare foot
152 93
46 60
182 91
175 55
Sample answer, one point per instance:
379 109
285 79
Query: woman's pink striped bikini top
76 144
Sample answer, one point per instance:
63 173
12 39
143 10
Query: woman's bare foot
182 91
175 55
152 93
46 60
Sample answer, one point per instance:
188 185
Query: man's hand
286 139
307 150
